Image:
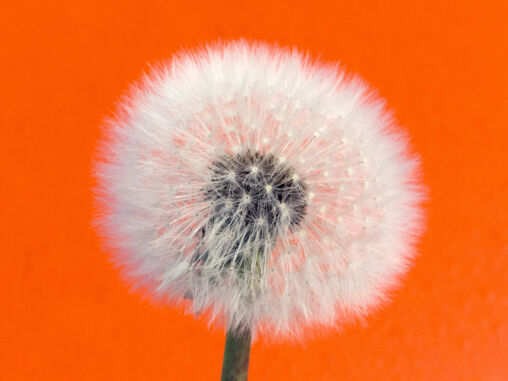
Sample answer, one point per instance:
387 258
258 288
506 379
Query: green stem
235 365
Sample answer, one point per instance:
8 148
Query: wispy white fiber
266 190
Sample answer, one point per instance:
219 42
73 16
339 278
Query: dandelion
271 192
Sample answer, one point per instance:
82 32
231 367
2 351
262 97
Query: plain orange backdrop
443 68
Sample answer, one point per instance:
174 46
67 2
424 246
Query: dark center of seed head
254 189
253 197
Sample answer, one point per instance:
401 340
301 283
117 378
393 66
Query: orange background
65 313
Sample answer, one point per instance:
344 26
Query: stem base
235 366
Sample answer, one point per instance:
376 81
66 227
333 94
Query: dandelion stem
235 365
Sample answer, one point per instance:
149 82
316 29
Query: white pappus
270 191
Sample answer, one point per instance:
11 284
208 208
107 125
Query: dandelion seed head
268 191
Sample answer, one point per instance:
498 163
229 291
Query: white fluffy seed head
234 180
